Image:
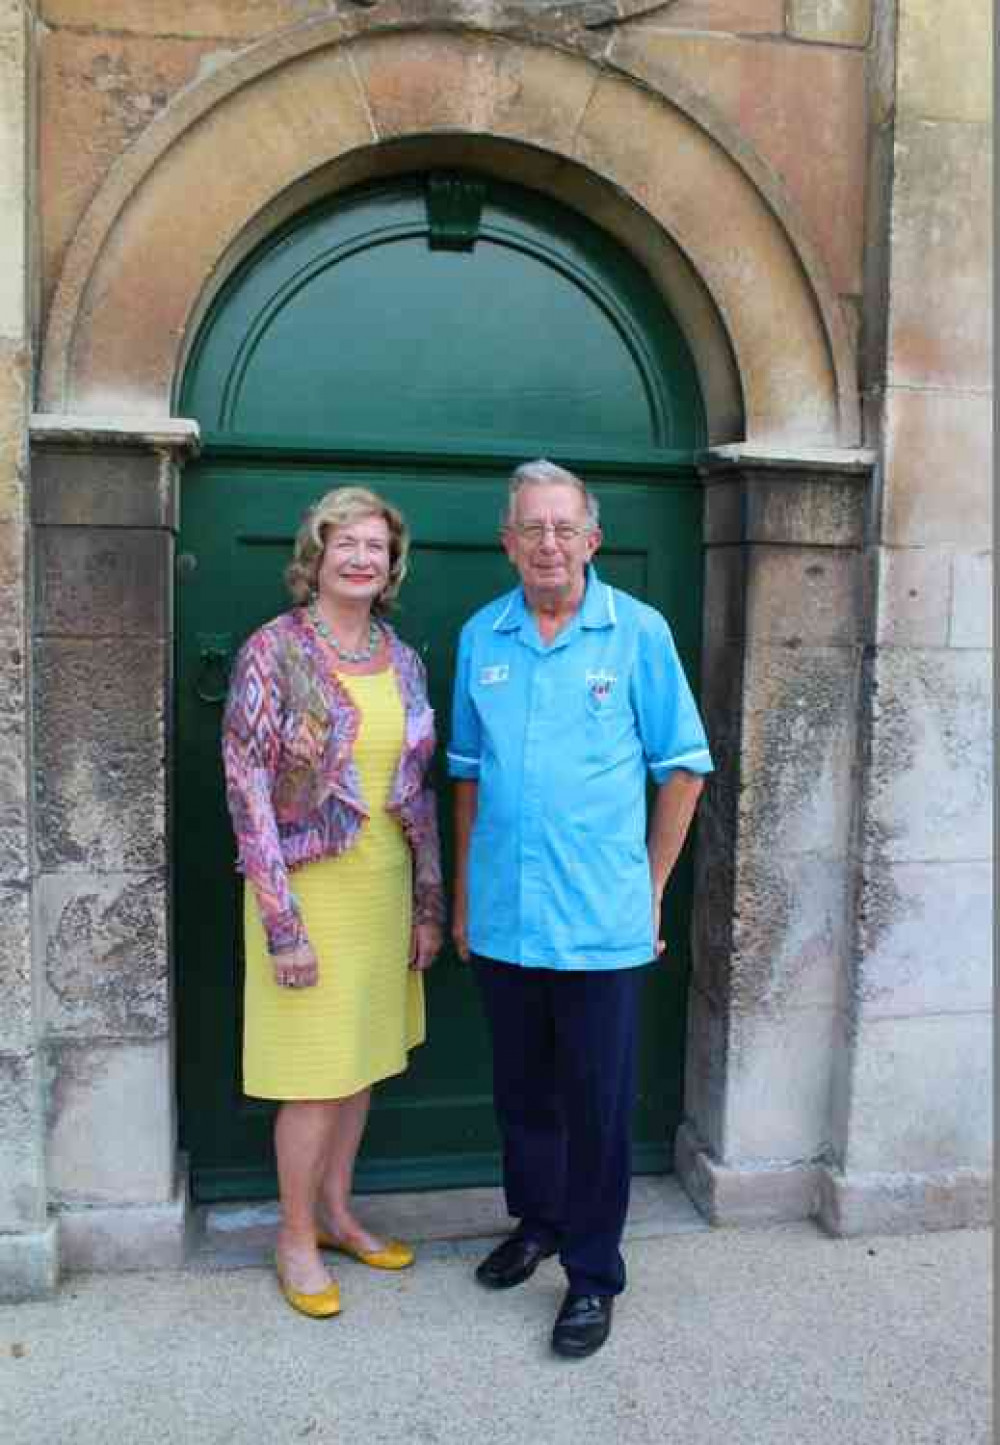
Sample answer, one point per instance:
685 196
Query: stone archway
322 107
317 106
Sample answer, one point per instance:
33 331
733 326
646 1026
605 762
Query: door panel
434 1124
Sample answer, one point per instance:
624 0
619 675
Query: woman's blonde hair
338 509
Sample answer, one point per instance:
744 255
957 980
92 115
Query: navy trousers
564 1061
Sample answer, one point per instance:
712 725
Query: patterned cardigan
291 782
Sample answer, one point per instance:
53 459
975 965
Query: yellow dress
358 1023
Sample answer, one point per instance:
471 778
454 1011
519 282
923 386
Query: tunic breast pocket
608 727
605 709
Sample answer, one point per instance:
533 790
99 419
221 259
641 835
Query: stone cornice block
811 497
178 436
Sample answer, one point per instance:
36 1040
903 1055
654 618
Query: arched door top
327 333
316 109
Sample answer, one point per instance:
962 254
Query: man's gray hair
543 473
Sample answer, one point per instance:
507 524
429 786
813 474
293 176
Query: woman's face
355 564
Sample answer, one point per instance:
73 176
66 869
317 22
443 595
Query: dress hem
287 1098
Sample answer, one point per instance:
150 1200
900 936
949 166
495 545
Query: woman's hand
425 945
297 968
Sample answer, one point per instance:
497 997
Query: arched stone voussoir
174 217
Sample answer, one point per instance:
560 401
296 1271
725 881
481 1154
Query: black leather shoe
582 1324
512 1262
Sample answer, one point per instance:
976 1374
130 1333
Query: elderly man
567 692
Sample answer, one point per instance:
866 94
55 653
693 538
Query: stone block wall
912 1119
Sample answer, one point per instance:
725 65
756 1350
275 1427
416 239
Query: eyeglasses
534 532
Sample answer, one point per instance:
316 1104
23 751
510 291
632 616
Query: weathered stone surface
104 944
924 939
798 750
803 595
722 524
791 937
705 1069
713 922
447 81
938 469
225 19
810 509
944 64
921 1095
904 1203
724 595
804 110
14 388
791 505
29 1263
111 1125
18 1024
930 757
778 1094
100 747
14 122
102 582
136 1236
737 17
121 488
833 22
782 594
914 598
939 319
103 90
22 1159
744 1196
15 848
971 600
129 349
718 823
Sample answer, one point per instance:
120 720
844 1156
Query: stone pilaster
28 1239
104 508
781 672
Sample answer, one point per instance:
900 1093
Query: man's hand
658 941
297 968
425 945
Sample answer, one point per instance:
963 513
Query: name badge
489 676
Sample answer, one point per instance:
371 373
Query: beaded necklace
363 654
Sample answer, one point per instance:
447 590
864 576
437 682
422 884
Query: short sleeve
466 738
671 729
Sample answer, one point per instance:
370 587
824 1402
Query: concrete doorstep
241 1236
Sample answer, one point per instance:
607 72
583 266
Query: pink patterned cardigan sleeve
251 747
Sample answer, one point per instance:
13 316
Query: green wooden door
419 338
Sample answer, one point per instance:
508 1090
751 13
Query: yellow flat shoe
393 1256
320 1306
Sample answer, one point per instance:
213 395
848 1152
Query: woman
326 742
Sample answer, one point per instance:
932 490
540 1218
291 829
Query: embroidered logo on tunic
600 685
499 672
